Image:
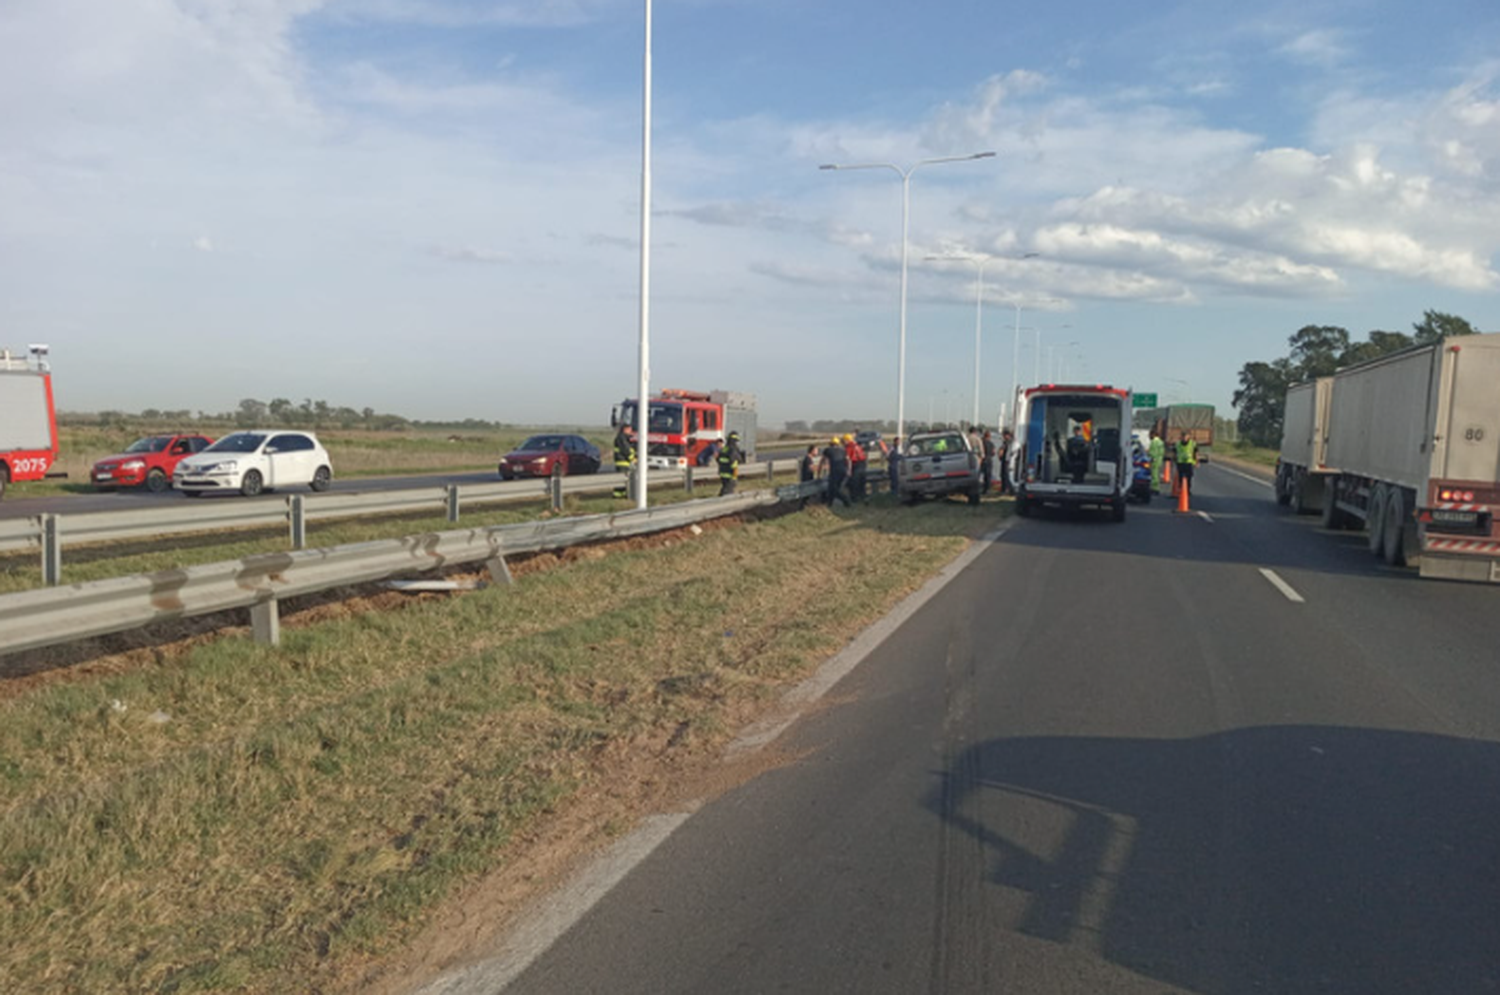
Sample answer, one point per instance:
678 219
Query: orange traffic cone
1182 495
1166 474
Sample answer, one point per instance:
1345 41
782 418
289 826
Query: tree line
1317 351
278 412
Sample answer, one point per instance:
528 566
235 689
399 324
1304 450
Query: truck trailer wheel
1283 489
1332 518
4 478
1375 519
1300 504
1399 546
1117 510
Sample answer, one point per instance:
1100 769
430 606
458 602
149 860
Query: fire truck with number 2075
28 421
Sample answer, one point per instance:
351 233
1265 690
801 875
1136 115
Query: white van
1072 448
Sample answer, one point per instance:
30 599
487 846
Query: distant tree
1261 398
368 415
151 414
251 413
1436 325
797 427
279 408
1379 344
1316 350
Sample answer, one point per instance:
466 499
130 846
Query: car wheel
1023 507
322 477
505 474
4 479
157 481
1117 510
251 483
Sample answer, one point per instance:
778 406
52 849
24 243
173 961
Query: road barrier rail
56 615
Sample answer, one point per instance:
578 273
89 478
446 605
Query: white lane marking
1244 476
546 922
1205 516
1281 585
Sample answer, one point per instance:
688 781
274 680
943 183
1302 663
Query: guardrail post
554 490
265 623
297 515
499 570
51 551
687 478
770 471
453 502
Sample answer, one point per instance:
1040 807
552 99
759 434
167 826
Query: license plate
1463 519
102 476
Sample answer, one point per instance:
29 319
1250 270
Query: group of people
844 463
728 457
1185 455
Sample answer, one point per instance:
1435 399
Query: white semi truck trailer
1411 453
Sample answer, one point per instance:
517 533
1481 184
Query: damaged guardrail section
57 615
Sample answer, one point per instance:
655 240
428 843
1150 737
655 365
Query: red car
537 456
147 462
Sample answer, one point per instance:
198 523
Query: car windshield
151 444
937 445
237 442
542 443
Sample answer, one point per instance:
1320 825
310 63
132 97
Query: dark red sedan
540 454
147 462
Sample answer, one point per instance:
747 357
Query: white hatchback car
255 461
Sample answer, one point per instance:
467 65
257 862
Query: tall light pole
643 395
905 175
1039 331
979 261
1015 362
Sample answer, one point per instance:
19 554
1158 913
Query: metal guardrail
56 615
49 533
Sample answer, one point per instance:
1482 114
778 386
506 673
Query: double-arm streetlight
979 261
905 175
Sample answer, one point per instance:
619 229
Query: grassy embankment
245 818
1246 453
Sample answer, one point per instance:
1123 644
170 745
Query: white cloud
203 243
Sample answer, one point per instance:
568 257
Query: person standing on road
624 460
1007 440
1187 458
809 465
1157 450
729 464
836 460
858 463
986 462
893 463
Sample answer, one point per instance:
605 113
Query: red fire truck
28 421
684 426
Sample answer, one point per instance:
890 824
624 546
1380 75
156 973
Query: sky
432 207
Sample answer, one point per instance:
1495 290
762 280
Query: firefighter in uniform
858 464
729 464
624 459
1187 458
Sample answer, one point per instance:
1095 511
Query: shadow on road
1269 860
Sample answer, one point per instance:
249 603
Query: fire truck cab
687 428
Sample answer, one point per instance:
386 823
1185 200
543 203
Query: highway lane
1108 758
24 507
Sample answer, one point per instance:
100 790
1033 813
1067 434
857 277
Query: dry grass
242 818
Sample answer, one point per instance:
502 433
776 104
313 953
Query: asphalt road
1108 758
123 500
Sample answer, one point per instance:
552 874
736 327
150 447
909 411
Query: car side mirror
272 449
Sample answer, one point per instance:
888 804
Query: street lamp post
980 262
643 397
905 175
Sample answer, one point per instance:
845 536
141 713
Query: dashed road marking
1244 476
1205 516
1281 585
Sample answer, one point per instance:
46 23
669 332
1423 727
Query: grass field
1247 453
223 816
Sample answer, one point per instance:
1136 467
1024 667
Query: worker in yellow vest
1187 458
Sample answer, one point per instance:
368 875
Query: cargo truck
28 420
1414 440
1302 470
